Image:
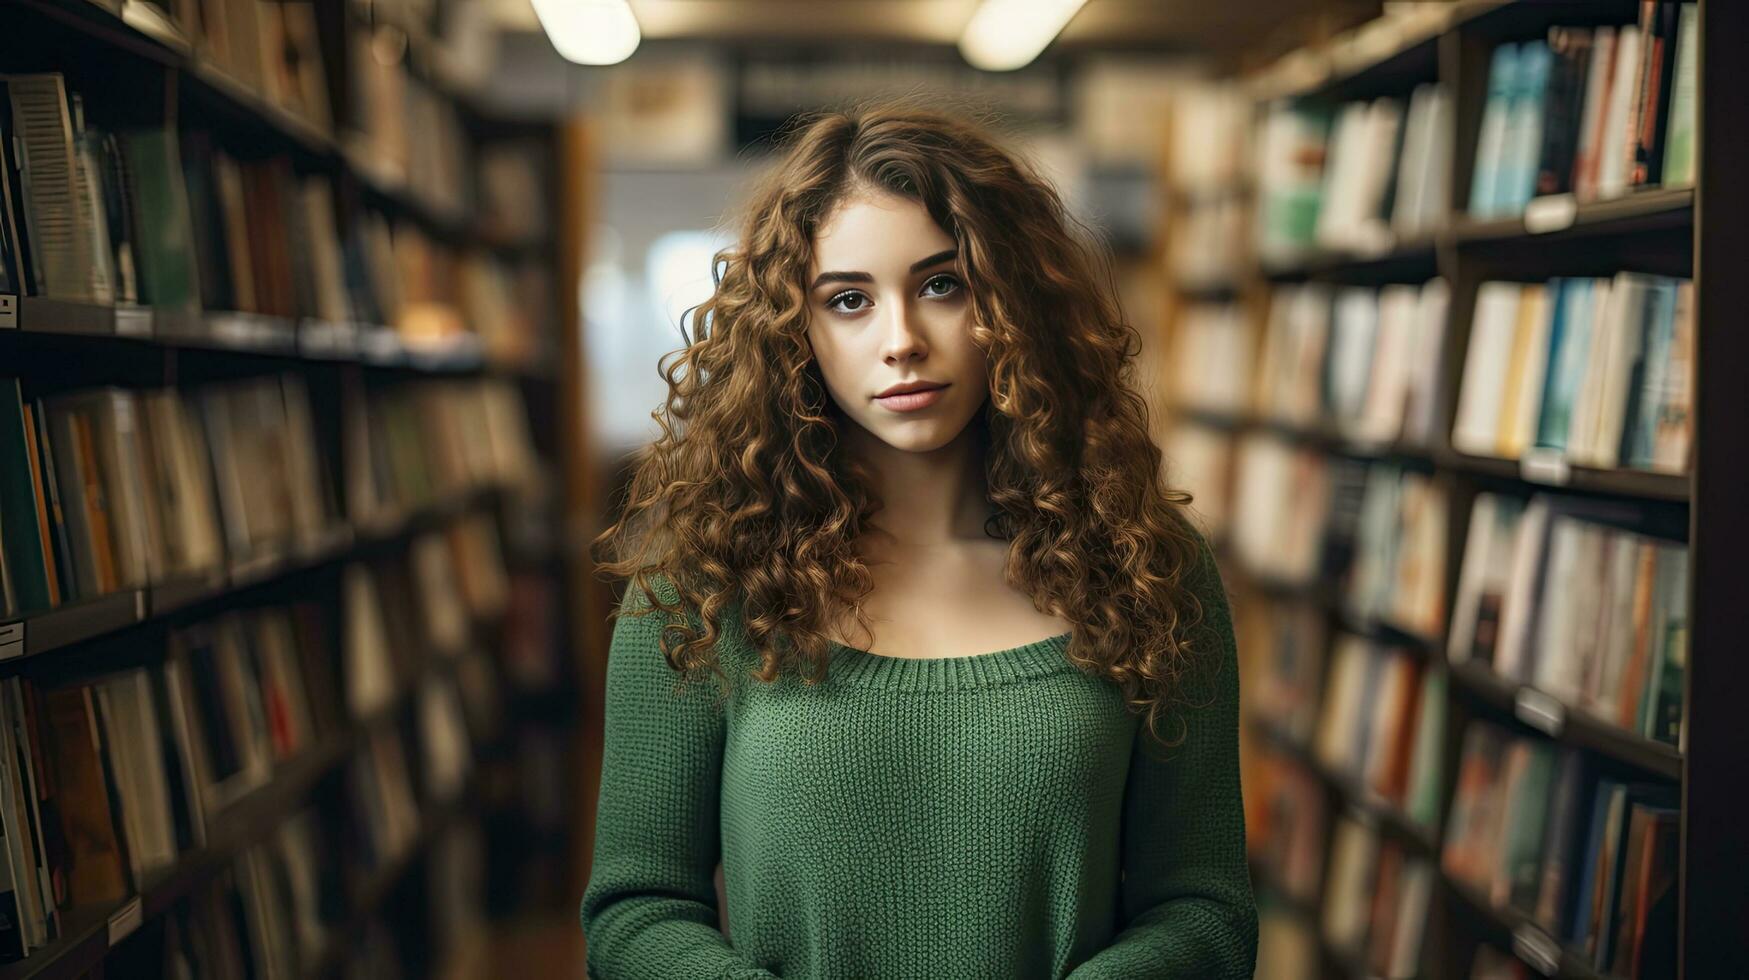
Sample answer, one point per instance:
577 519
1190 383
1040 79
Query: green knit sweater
991 815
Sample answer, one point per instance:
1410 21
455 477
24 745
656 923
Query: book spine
24 558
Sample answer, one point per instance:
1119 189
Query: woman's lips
911 401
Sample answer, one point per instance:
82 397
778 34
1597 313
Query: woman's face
887 307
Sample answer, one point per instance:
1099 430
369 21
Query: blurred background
327 328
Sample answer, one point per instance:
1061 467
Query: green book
1679 140
167 276
19 537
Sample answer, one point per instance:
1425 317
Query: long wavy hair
744 502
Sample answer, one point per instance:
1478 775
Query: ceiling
1227 31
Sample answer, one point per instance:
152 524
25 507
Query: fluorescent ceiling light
1006 34
589 32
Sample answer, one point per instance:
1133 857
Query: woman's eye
947 285
857 300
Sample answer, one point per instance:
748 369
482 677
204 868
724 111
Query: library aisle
330 331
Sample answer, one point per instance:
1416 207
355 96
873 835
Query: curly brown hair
743 503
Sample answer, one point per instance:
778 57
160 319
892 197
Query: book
1600 81
53 189
1570 48
1517 166
1491 143
1649 115
27 566
1679 161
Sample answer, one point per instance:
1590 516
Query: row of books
1208 245
1554 593
107 783
406 446
1284 826
124 775
1287 685
403 613
285 907
1396 575
171 220
407 135
1387 172
1357 178
1282 499
264 915
111 488
1362 361
1210 359
1383 726
1589 858
1592 371
1376 901
1591 112
272 49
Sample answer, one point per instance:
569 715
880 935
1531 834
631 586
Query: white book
1614 145
1625 340
1602 683
1518 605
1368 227
1351 351
1479 540
1482 387
1599 76
369 677
1342 703
1424 174
1567 622
1342 172
1381 417
42 133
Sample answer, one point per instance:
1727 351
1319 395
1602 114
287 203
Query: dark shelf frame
54 327
1693 231
51 638
1568 725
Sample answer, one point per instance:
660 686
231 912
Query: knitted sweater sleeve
650 910
1186 895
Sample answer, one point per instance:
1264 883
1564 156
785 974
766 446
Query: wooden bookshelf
1681 231
137 68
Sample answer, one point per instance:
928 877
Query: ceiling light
589 32
1006 34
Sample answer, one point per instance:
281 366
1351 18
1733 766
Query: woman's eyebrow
918 266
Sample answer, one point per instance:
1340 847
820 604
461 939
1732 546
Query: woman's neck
930 499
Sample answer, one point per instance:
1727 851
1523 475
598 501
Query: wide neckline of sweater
1037 658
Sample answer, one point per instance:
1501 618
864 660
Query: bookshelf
281 328
1345 529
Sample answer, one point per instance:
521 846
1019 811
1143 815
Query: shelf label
11 640
1534 947
1553 212
1545 466
8 312
1539 711
125 920
133 321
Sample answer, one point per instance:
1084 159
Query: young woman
975 698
